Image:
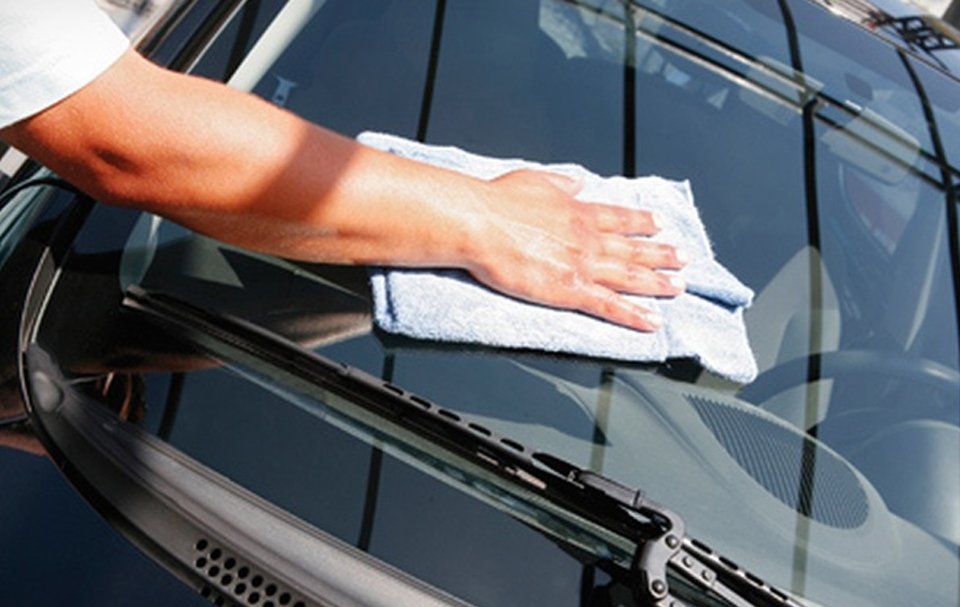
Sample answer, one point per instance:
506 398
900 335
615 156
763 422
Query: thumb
568 185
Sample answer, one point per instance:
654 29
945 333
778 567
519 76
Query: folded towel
705 322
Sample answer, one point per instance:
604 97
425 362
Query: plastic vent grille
233 583
823 487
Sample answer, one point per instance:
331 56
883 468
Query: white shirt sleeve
49 49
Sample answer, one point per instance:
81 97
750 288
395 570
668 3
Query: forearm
236 168
320 197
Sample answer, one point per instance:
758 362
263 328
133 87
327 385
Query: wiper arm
671 549
658 533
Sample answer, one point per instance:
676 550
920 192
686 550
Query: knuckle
627 269
570 279
608 303
635 276
605 216
647 252
615 248
525 179
572 251
640 254
583 217
580 252
578 221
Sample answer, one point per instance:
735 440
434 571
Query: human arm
231 166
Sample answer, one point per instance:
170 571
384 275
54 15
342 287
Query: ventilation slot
231 583
788 465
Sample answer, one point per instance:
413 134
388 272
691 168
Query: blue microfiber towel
705 322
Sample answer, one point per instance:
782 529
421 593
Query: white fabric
49 49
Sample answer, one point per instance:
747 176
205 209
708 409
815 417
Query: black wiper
658 534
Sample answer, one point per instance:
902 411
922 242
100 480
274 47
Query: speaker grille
788 465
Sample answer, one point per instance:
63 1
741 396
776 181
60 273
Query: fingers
611 218
642 252
635 279
604 303
574 255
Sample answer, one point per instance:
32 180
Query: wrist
468 242
422 215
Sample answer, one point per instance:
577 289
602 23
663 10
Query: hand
265 180
540 244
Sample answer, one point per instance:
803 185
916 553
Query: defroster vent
790 466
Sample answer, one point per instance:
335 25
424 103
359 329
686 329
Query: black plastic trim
167 503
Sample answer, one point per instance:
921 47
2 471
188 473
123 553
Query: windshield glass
835 474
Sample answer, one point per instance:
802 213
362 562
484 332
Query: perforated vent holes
788 465
233 583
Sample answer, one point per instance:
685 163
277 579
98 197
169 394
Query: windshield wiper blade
662 545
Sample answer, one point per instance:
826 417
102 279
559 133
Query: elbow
121 180
105 172
114 180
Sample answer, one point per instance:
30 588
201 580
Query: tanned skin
234 167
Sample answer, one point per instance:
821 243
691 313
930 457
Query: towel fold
705 322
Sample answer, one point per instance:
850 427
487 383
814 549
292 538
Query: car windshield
821 182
